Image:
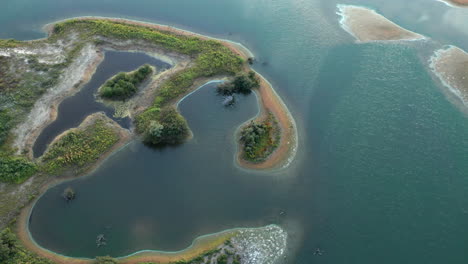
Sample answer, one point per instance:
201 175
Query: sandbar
450 65
366 25
455 3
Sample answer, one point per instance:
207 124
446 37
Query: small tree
155 133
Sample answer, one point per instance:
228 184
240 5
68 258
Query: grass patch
79 148
15 169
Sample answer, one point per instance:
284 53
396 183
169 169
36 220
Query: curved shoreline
269 102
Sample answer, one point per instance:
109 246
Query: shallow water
73 110
382 171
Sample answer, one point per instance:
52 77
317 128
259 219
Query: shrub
242 83
170 128
11 251
124 85
15 169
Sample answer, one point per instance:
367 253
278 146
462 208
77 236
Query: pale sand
366 25
456 3
451 67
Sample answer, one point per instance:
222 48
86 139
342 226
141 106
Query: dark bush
124 85
242 83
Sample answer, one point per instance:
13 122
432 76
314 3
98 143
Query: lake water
382 170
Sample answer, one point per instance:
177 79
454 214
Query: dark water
382 171
73 110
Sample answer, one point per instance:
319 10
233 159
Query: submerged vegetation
79 148
124 85
259 139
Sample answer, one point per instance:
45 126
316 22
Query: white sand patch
264 245
366 25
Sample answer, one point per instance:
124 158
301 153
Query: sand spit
455 3
366 25
450 65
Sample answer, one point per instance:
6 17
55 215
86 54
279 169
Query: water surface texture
382 171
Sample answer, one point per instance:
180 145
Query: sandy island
450 65
87 63
456 3
366 25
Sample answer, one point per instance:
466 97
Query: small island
124 85
38 75
366 25
450 65
456 3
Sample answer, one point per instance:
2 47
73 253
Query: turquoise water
382 171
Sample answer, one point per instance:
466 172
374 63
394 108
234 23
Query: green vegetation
12 252
242 83
105 260
167 128
79 148
210 58
9 43
15 169
124 85
260 139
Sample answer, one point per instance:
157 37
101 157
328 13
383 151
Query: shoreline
366 25
269 101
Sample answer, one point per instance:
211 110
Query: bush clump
169 128
125 85
259 139
11 251
242 83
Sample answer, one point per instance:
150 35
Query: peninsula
36 76
366 25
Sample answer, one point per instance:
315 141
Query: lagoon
381 173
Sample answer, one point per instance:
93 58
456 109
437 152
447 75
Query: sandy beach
366 25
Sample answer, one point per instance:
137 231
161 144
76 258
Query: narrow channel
73 110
